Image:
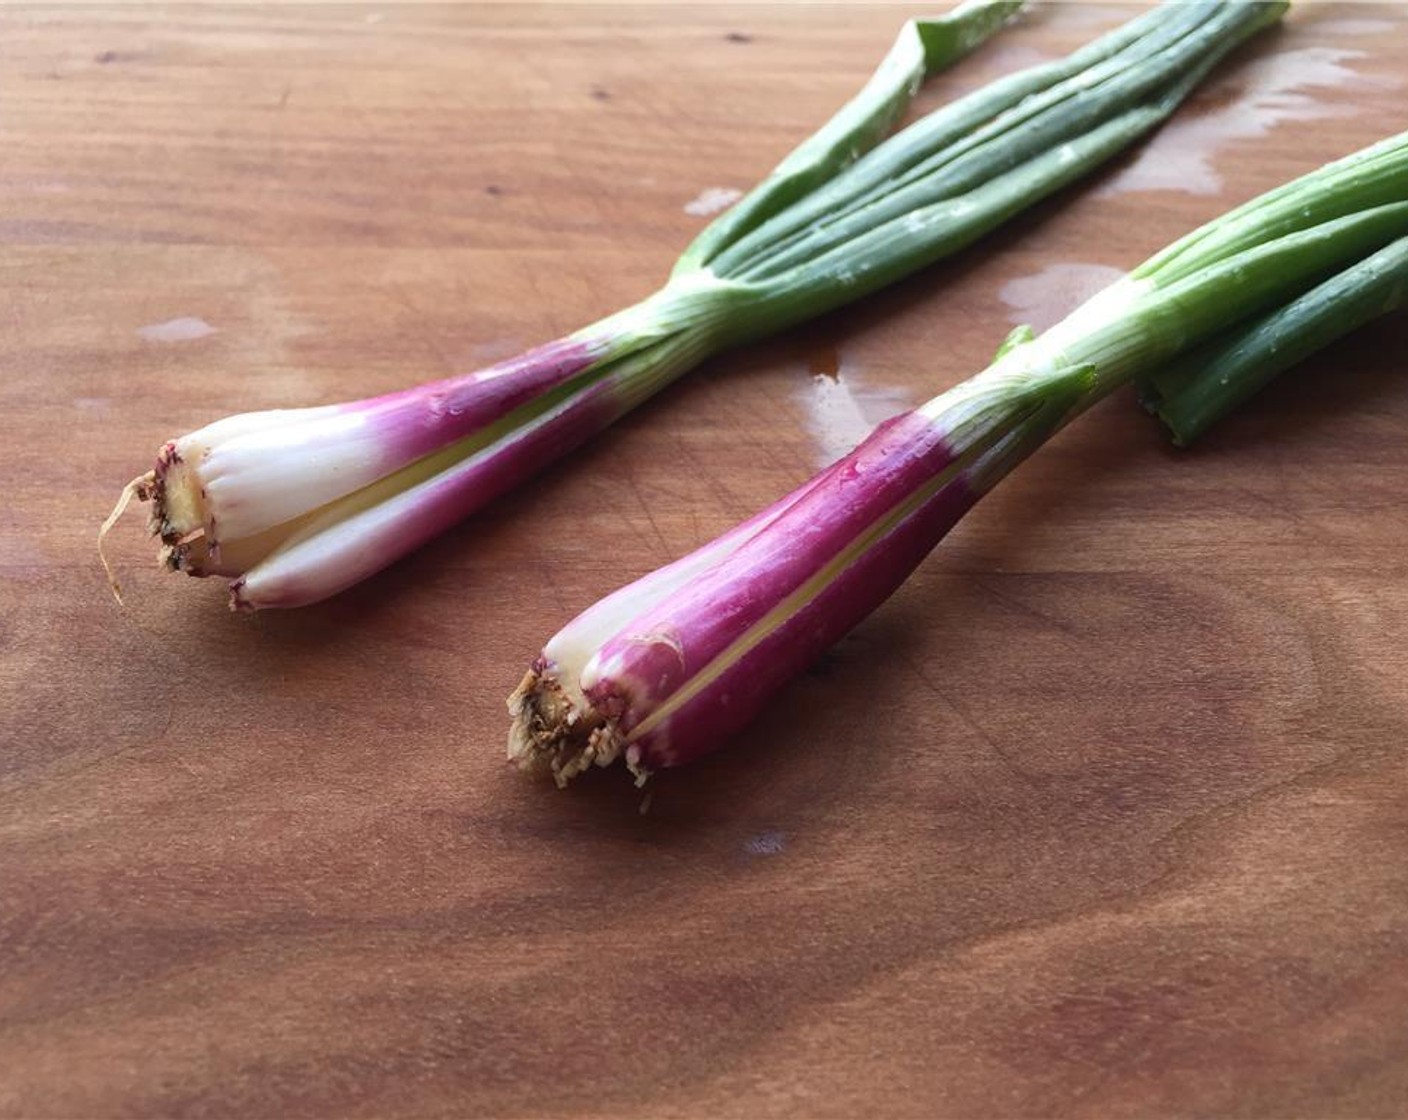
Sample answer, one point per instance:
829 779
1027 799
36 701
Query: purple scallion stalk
665 669
299 504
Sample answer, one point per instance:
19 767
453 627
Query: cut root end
140 488
552 735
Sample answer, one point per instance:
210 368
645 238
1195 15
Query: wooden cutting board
1105 813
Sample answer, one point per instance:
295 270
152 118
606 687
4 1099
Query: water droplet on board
840 409
185 329
1351 28
712 200
1247 104
769 843
1048 296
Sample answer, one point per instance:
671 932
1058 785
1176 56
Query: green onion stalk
296 505
1209 381
665 669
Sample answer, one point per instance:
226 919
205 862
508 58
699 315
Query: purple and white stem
663 670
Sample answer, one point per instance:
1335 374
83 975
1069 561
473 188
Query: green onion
295 505
663 670
1211 380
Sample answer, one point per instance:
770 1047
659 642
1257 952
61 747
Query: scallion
663 670
1206 383
296 505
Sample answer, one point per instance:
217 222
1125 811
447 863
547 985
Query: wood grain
1106 814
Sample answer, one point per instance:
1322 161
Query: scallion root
138 488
